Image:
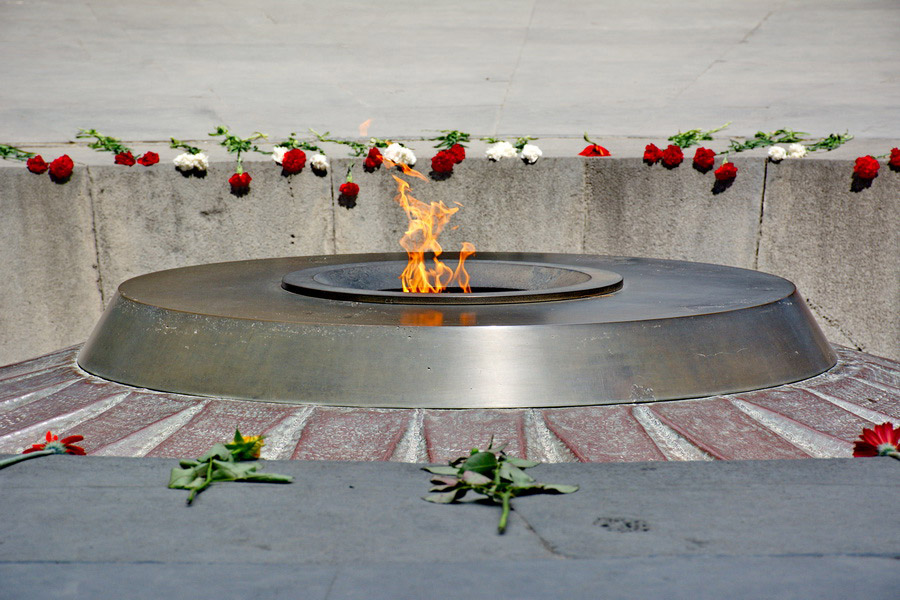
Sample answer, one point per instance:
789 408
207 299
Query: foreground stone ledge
753 529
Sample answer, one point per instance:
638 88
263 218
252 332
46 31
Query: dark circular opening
492 281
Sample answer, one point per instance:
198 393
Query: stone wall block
635 209
839 246
49 298
155 218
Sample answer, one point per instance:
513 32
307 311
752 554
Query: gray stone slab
154 218
839 246
49 297
506 68
746 529
637 209
506 206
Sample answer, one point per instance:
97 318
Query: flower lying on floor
490 473
223 462
881 440
52 445
593 149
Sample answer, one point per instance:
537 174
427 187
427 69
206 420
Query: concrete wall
65 248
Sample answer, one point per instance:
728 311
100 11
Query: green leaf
442 470
14 153
447 497
515 474
180 478
268 478
218 451
481 462
473 478
521 462
558 487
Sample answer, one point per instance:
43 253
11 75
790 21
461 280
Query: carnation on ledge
319 162
373 159
894 160
443 162
61 169
726 172
293 161
777 154
530 153
149 158
240 182
881 440
593 149
866 167
672 156
704 158
125 158
500 150
398 153
652 154
186 162
37 165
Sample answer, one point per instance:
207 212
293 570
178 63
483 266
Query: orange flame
426 221
364 128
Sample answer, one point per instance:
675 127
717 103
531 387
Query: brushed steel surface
497 282
674 330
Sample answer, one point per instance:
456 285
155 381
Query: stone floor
818 417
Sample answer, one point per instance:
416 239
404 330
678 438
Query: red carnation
240 182
58 446
881 440
443 162
349 189
458 152
726 172
594 150
293 161
894 160
866 167
672 156
61 168
36 164
149 158
704 158
652 154
374 159
125 158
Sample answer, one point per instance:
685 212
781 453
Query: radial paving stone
602 434
352 434
820 417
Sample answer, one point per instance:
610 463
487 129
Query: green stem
894 454
501 527
205 485
19 458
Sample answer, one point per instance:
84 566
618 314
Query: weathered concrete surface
840 244
154 218
506 206
160 69
636 209
745 529
49 297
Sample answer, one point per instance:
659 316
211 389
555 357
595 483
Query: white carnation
500 150
319 162
777 153
399 154
530 153
278 154
190 162
796 151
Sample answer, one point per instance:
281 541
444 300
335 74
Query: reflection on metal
674 330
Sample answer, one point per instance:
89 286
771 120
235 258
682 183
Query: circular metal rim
598 282
230 330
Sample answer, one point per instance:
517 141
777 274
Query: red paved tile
129 417
804 407
453 433
718 427
856 391
66 401
352 434
217 422
602 434
41 363
17 388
